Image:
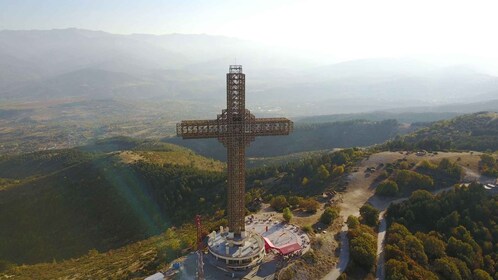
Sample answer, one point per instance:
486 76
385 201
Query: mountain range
54 64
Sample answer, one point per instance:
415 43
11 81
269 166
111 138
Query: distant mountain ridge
192 67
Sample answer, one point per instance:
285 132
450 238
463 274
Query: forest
452 235
116 203
477 132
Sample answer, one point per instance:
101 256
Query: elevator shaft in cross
235 128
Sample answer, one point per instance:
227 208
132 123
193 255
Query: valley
129 170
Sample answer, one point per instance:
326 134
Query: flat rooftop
280 234
251 247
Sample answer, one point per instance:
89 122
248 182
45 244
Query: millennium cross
235 128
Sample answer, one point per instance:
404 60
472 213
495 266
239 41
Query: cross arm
271 126
197 129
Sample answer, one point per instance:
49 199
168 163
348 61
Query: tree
294 201
415 250
329 215
338 171
447 269
279 203
387 188
363 248
323 173
434 247
369 214
305 181
480 274
396 270
287 214
343 276
462 250
408 180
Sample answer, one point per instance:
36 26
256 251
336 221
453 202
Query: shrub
307 229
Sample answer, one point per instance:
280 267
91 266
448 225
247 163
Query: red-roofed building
289 248
283 250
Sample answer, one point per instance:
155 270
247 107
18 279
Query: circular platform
238 255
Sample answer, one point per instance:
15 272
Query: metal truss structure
235 128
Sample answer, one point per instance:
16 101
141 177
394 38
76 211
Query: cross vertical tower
235 128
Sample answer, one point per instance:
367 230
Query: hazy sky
346 29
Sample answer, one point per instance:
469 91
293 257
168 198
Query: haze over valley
77 85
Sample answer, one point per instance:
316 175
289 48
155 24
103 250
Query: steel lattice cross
235 127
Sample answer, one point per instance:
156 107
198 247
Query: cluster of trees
362 244
426 175
445 173
280 202
477 132
488 165
308 176
404 181
451 236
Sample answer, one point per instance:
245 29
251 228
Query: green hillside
478 132
60 204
